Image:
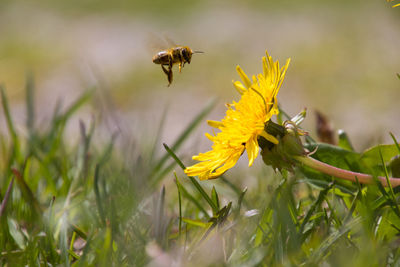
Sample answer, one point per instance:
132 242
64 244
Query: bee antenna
198 52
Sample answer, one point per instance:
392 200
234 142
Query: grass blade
158 134
179 204
186 133
6 197
196 222
193 180
30 107
316 204
10 126
214 197
231 185
240 200
165 171
330 240
85 97
193 200
395 141
98 197
344 141
159 218
6 110
27 192
393 202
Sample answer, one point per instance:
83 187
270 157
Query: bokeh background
345 56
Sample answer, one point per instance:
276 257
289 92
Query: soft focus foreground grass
94 203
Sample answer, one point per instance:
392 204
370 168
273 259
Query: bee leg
168 73
170 76
165 70
181 61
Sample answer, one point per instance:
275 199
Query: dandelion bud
394 165
280 156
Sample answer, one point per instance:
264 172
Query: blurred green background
345 56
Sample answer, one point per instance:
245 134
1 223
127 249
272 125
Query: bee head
187 54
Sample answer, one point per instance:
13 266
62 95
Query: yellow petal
265 67
215 124
252 150
209 136
254 79
283 72
239 87
244 77
270 138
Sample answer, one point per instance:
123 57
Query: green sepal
394 166
280 156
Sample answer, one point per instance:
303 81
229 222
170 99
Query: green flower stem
345 174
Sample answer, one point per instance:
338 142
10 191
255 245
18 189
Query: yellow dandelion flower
396 5
243 123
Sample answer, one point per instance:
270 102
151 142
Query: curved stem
345 174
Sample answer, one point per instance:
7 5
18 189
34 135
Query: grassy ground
97 181
88 203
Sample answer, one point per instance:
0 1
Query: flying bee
175 55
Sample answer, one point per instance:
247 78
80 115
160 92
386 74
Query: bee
175 55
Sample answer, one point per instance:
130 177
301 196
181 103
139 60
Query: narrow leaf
196 222
316 204
27 192
98 197
159 218
10 126
30 101
86 96
344 141
185 133
192 199
179 203
240 200
393 202
6 111
330 240
6 197
395 142
193 180
214 197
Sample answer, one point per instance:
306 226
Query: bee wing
169 41
155 43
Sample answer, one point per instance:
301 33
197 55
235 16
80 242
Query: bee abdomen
162 57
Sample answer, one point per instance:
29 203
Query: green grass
91 203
